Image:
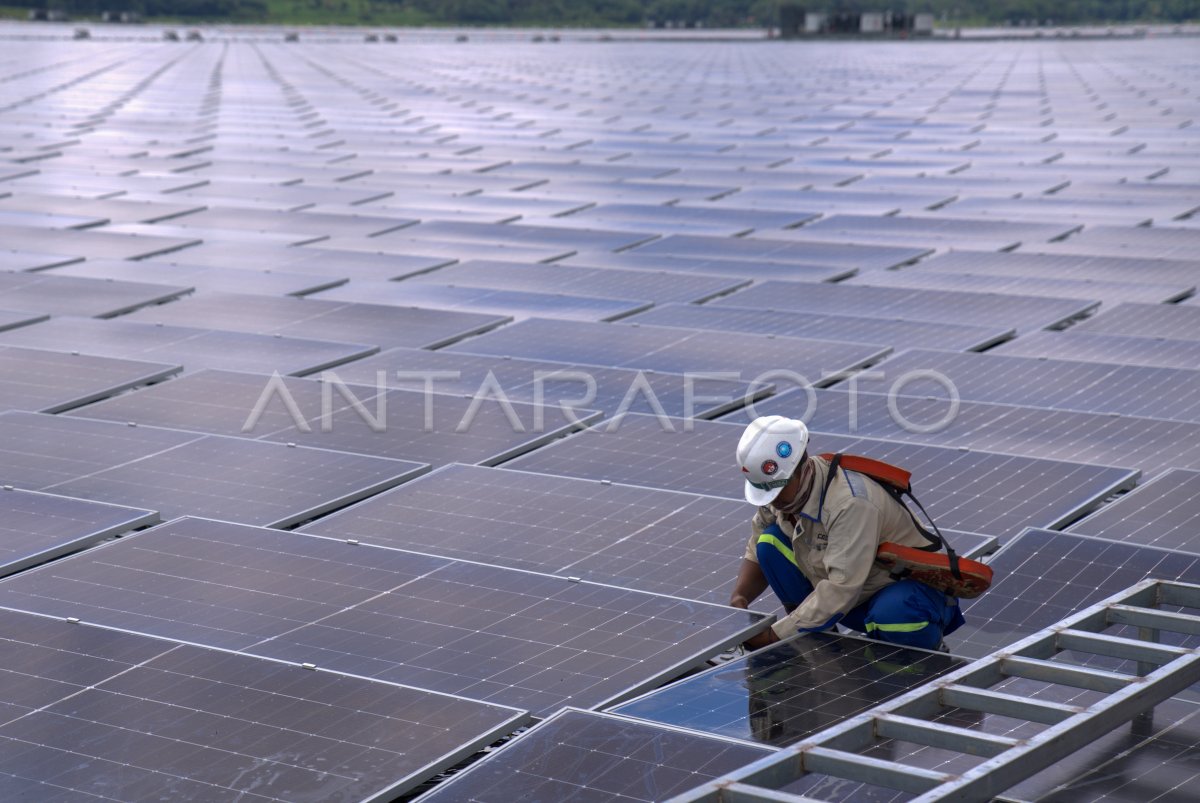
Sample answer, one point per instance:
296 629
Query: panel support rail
1162 671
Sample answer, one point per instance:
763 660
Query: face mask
806 483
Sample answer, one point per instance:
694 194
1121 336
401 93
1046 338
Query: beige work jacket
834 545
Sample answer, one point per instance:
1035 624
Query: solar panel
724 221
1145 242
296 236
1146 444
95 712
479 631
37 527
750 268
987 235
518 234
32 260
565 278
825 255
202 278
11 320
378 324
1040 382
610 390
977 492
93 244
585 756
1161 513
742 356
260 220
184 345
113 210
177 473
1073 344
1043 576
65 295
780 695
881 331
360 265
1109 293
939 306
623 535
838 200
50 382
1147 320
487 300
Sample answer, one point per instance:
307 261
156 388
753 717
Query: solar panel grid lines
584 756
174 472
379 324
36 527
938 306
896 333
1147 320
1161 513
1043 382
781 695
977 492
191 347
1148 445
97 711
386 614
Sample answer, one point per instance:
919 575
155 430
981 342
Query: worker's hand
738 601
763 639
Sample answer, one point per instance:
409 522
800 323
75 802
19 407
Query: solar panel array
533 233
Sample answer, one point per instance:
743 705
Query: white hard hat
768 453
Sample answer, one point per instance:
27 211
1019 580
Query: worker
814 541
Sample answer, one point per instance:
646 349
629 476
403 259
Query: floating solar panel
940 306
479 631
1043 576
984 235
566 278
259 220
202 279
66 295
1145 242
519 234
627 533
837 200
897 333
553 384
734 355
780 695
93 244
725 221
487 300
1040 382
827 255
296 236
378 324
697 265
1147 320
1073 344
359 265
37 527
46 381
1107 292
584 756
977 492
177 473
32 260
96 712
1063 266
1163 513
1147 444
190 347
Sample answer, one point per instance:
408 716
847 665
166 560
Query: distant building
796 21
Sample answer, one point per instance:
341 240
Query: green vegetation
611 13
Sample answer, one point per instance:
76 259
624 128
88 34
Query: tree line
619 13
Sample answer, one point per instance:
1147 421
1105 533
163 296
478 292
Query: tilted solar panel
1163 513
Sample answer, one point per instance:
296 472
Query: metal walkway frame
1163 671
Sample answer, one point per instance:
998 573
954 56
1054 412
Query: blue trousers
907 612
